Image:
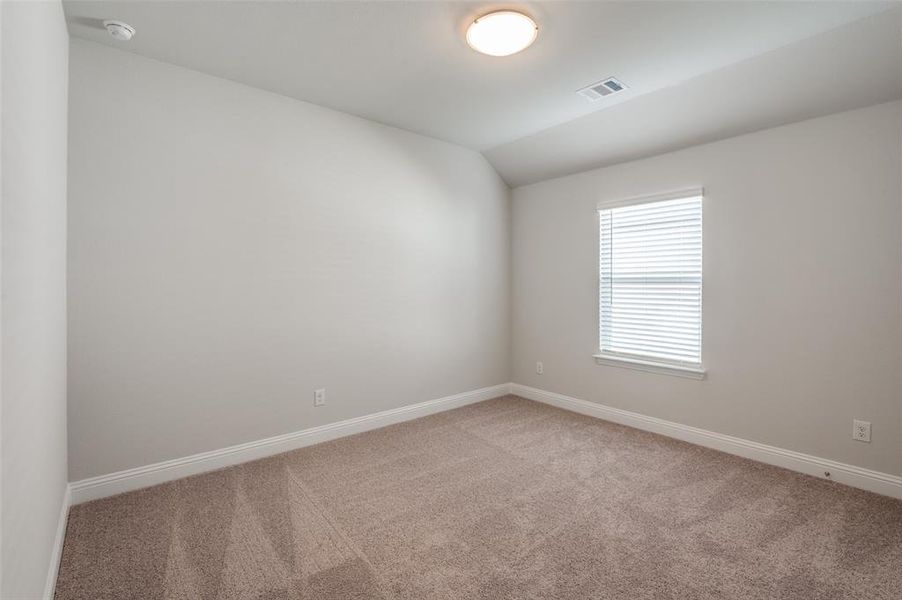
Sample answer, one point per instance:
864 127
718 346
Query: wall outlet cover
861 430
319 397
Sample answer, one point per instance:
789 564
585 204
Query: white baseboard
56 555
133 479
141 477
865 479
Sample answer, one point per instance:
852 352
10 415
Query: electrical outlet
861 430
540 368
319 397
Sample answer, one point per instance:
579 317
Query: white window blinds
650 280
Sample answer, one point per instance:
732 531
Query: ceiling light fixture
502 33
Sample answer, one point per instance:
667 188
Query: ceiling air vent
601 89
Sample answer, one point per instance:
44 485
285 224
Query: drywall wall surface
35 47
232 250
802 286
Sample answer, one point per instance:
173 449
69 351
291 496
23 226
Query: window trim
687 193
648 365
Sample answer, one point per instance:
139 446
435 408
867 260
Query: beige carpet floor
506 499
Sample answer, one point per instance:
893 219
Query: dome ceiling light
502 33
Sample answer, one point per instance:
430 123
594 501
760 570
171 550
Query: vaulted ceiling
696 71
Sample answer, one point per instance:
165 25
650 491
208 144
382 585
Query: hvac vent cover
602 88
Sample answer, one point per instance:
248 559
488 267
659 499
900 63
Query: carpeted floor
506 499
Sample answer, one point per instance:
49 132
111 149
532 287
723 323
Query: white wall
802 286
33 325
231 250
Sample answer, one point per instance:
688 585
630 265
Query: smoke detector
119 30
602 88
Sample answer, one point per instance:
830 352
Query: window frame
637 362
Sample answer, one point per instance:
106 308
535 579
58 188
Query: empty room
412 300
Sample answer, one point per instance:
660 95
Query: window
650 284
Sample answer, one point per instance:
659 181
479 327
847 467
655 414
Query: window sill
649 366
